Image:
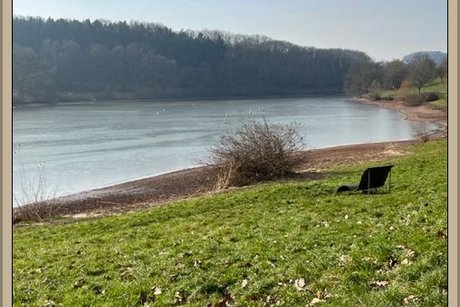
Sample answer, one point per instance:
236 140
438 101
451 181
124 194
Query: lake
67 148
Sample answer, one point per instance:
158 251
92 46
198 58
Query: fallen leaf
97 289
176 243
441 234
254 297
316 301
227 300
406 262
144 298
156 290
79 283
300 284
381 271
410 254
174 277
127 274
322 294
49 303
344 260
411 299
46 280
393 262
181 296
244 283
179 265
270 301
379 284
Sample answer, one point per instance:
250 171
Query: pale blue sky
384 29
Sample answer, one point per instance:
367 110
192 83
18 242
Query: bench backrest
374 177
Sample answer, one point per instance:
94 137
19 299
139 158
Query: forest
68 60
59 60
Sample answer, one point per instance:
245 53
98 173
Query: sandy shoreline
420 113
161 189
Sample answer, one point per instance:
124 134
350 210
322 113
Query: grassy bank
290 244
436 86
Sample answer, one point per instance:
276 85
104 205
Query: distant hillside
436 56
65 59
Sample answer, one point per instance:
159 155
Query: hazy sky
384 29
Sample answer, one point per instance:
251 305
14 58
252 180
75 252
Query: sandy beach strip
422 113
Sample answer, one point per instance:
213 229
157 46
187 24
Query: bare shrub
255 152
34 202
372 96
431 96
414 100
36 211
404 90
387 97
422 134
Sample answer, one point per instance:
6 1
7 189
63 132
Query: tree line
55 57
369 77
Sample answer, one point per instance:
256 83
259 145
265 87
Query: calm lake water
80 146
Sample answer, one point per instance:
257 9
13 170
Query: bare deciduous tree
394 73
423 70
442 69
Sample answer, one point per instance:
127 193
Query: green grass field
286 244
